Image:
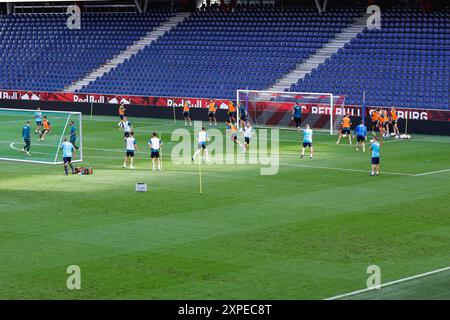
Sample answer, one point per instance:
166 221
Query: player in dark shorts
297 115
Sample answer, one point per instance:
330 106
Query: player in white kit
202 138
130 142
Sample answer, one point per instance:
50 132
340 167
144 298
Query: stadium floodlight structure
323 111
47 151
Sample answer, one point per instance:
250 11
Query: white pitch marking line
432 172
388 284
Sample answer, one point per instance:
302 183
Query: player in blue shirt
26 138
68 151
375 147
307 141
361 134
297 115
38 119
73 134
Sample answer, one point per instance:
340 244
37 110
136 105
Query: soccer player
126 126
47 128
361 134
297 115
231 112
26 138
248 133
130 142
375 147
68 152
394 121
386 124
212 112
307 141
374 118
73 134
155 145
202 138
242 117
38 119
122 111
346 124
231 128
186 107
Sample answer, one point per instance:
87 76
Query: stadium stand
36 48
213 53
406 63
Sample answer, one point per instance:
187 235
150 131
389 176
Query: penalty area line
421 275
431 172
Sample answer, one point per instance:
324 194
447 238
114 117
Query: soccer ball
371 140
396 137
345 135
408 136
392 134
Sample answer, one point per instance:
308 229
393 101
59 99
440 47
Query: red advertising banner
417 114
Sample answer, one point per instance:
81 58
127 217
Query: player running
202 138
375 147
394 121
212 108
155 145
186 115
232 130
307 141
346 124
242 117
361 134
122 111
73 134
297 115
38 119
131 145
126 126
231 112
68 152
248 133
47 128
26 136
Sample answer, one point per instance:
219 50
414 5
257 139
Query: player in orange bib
212 107
186 107
374 118
394 121
231 112
46 128
232 130
122 111
346 124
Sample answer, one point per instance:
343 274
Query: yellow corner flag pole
200 174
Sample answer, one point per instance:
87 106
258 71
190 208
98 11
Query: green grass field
308 232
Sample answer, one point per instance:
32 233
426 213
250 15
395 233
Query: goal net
274 109
43 148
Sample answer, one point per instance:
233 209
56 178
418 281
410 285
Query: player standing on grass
73 134
375 147
248 133
374 118
202 138
242 117
130 142
38 119
361 134
231 112
394 121
68 152
346 124
126 126
307 141
26 138
186 107
155 145
47 128
122 111
231 128
297 115
212 112
386 124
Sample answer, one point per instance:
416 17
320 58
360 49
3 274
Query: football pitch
308 232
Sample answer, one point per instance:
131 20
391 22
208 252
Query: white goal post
45 151
321 111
